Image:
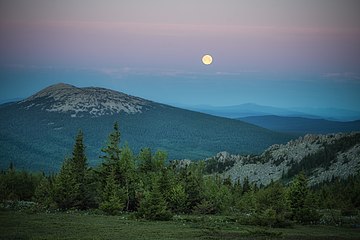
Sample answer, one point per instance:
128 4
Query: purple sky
319 37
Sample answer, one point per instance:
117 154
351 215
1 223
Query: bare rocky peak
78 101
277 160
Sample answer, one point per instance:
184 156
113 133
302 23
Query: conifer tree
79 158
80 168
111 159
113 196
271 204
194 185
71 185
246 187
66 188
298 193
117 175
153 206
112 150
236 191
146 160
44 193
129 178
177 198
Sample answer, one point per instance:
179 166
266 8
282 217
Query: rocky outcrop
323 157
79 101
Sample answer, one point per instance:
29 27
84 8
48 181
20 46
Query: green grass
20 225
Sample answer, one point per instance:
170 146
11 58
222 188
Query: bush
267 218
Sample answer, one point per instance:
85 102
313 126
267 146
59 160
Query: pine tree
217 197
66 188
129 178
159 159
153 206
177 198
236 192
146 160
298 193
271 204
113 196
194 185
44 193
79 162
111 159
246 185
71 185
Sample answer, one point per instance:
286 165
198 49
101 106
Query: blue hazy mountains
251 109
302 125
297 120
38 132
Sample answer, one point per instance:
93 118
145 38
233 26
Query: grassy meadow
85 225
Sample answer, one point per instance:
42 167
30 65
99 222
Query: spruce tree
153 206
177 198
79 158
79 162
146 160
119 162
111 157
66 188
246 187
113 196
298 193
44 193
112 150
194 185
71 185
129 178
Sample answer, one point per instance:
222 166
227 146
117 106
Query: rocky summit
79 101
322 157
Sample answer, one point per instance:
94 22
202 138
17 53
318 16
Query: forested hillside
150 188
37 132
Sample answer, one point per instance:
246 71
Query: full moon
207 59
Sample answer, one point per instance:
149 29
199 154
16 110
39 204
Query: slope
302 125
38 132
321 157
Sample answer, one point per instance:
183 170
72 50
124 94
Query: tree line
152 188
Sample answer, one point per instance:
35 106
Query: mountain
337 114
302 125
251 109
322 157
38 132
246 110
10 100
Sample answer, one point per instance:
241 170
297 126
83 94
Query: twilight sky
284 53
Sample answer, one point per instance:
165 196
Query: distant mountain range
302 125
37 133
250 110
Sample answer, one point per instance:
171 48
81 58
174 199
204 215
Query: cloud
342 76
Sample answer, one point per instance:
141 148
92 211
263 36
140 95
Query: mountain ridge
322 157
302 125
38 132
252 109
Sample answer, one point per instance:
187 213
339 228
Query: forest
147 186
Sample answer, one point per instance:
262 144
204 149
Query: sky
283 53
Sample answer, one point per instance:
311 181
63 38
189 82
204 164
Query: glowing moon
207 59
